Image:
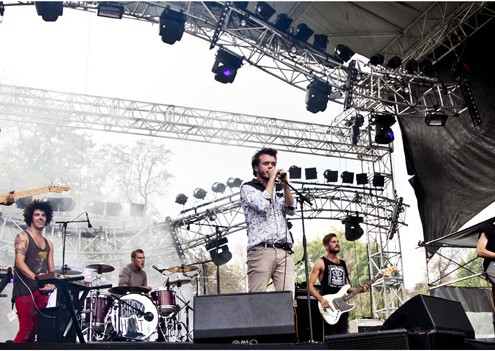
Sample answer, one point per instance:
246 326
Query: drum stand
187 337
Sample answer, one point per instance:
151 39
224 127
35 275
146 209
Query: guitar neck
361 288
27 193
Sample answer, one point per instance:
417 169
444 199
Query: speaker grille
382 340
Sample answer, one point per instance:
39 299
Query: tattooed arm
21 245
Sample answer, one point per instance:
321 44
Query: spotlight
357 122
320 42
343 52
2 8
63 204
295 172
137 210
347 177
212 216
411 66
426 67
317 94
226 66
113 208
378 180
377 59
331 176
234 182
383 132
436 119
283 22
218 187
219 251
110 10
172 25
310 173
199 193
264 11
352 229
181 199
49 10
361 178
394 62
303 32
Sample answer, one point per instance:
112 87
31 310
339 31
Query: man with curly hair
33 256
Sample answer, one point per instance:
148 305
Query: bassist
332 275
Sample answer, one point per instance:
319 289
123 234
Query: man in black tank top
332 275
33 256
486 250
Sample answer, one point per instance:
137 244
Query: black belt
285 246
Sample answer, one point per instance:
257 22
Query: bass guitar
339 302
490 272
26 193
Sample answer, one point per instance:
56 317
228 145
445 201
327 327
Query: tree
472 265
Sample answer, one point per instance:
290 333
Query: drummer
133 273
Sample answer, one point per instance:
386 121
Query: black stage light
113 208
264 11
137 210
320 42
283 22
347 177
361 178
172 25
49 10
295 172
199 193
226 66
383 132
62 204
394 62
436 119
378 180
411 66
303 32
218 187
110 10
317 94
219 251
310 173
331 176
181 199
352 229
234 182
426 67
377 59
343 52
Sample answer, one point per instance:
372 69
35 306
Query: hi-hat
124 289
182 269
101 268
67 270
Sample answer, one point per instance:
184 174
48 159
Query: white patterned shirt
265 216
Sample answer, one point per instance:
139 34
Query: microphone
148 316
87 219
159 270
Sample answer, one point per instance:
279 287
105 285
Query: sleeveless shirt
334 276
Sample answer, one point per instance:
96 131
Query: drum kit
136 313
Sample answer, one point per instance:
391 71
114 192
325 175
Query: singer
266 200
133 273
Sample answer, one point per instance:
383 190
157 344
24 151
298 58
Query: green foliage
471 265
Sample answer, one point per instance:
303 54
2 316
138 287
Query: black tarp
453 167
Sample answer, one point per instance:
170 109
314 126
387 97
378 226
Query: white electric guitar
26 193
339 302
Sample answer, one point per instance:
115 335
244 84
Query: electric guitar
490 272
339 302
46 189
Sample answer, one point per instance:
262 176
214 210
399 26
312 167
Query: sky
86 54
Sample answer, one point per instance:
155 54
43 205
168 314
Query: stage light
383 132
218 187
211 215
426 67
63 204
172 25
226 66
2 8
436 119
317 96
219 251
310 173
234 182
49 10
411 66
303 32
347 177
377 59
295 172
394 62
343 52
320 42
110 10
357 122
331 176
181 199
378 180
283 22
113 208
137 210
264 11
361 178
352 229
199 193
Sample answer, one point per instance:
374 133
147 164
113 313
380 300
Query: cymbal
124 289
180 281
67 270
182 269
101 268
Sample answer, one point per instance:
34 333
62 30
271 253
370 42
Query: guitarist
486 249
33 256
332 274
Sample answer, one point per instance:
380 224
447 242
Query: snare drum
164 300
134 316
97 307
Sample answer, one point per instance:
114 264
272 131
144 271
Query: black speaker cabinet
424 312
244 318
302 321
380 340
54 325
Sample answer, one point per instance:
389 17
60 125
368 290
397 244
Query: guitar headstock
387 271
58 188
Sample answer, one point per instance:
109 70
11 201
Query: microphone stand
64 236
203 264
301 198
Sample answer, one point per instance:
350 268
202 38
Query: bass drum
134 316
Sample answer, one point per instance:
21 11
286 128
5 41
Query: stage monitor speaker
54 325
423 312
244 318
380 340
